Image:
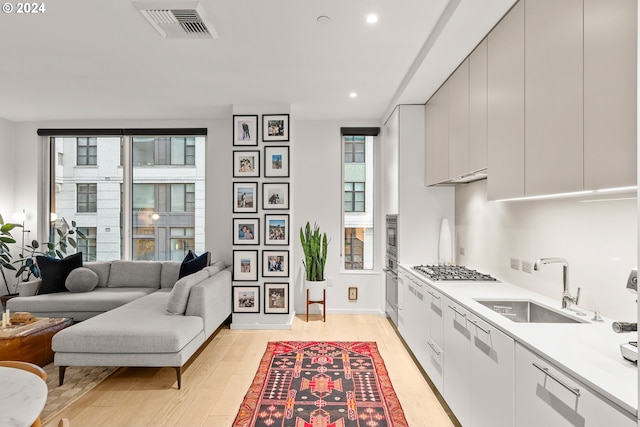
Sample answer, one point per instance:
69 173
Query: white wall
597 235
7 171
316 197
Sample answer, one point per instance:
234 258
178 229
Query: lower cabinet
546 396
435 363
478 369
415 319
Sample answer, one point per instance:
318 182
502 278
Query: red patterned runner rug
321 384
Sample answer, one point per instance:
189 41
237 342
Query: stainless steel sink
525 311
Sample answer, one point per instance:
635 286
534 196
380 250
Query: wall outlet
353 293
461 251
515 263
329 281
527 267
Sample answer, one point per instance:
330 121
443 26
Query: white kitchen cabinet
417 320
434 367
610 93
554 93
437 137
505 103
402 296
547 396
457 376
458 87
478 108
492 378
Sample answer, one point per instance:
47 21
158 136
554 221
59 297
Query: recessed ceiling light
372 18
353 95
323 19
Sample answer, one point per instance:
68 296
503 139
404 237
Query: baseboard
260 322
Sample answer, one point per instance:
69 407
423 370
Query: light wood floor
215 382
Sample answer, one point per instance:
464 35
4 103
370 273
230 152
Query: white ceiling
89 59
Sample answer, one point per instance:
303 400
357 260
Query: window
354 196
87 151
87 245
152 184
358 202
87 197
354 149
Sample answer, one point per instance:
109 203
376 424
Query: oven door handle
390 273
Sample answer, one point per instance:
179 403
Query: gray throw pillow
179 296
81 279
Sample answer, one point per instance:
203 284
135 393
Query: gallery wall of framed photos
261 226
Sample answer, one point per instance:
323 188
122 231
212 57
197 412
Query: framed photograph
275 195
246 231
276 229
245 197
246 299
276 298
275 263
245 266
246 164
245 130
275 127
276 161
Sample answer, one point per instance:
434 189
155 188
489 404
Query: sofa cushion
81 279
138 327
179 296
134 274
54 272
169 274
215 268
193 263
101 268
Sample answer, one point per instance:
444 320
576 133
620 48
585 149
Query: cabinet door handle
456 310
435 350
486 331
433 295
575 391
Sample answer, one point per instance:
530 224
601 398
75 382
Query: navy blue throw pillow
54 272
193 263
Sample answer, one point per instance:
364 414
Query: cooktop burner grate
453 273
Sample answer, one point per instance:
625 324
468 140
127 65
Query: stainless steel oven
391 268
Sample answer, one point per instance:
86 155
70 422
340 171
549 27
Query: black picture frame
275 263
276 229
245 265
276 298
246 231
276 161
245 197
246 164
275 127
275 196
243 124
246 299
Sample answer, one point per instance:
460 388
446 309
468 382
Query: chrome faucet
567 299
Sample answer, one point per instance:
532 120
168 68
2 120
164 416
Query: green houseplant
314 245
6 239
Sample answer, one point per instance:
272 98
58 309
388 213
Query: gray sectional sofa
140 314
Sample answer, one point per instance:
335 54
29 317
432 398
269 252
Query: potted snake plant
314 245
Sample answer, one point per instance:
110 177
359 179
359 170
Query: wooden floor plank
215 382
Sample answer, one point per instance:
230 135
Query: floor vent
177 20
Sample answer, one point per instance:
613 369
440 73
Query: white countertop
22 397
588 351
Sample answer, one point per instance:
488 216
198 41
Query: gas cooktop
453 273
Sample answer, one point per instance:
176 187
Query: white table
22 397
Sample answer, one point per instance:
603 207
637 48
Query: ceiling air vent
177 20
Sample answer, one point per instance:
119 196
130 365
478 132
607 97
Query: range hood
466 178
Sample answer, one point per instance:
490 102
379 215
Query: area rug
77 382
321 384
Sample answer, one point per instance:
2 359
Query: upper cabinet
437 137
553 96
506 106
547 102
610 91
478 108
